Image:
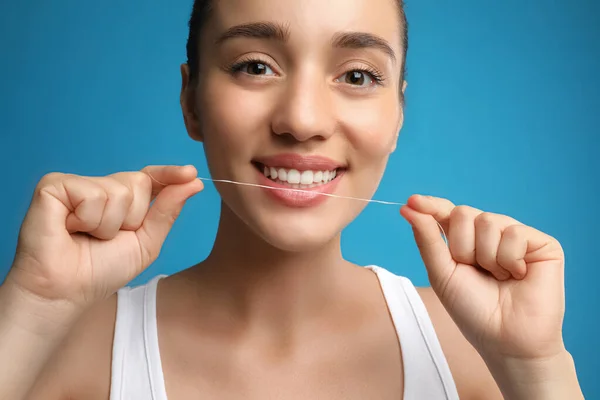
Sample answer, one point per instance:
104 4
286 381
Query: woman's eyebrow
363 40
281 33
256 30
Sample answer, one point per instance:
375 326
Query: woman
304 95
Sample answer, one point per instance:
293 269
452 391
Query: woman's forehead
312 20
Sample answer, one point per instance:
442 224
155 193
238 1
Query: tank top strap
136 365
426 371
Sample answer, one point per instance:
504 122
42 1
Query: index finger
439 208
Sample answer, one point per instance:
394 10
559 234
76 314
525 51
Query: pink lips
309 197
300 162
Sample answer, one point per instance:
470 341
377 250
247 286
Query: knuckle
556 248
140 180
122 194
556 244
48 180
513 232
559 249
461 212
51 177
97 193
171 217
485 219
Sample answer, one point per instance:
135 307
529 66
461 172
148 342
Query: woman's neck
258 283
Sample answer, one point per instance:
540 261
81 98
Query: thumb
161 216
432 247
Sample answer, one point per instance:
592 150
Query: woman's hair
201 11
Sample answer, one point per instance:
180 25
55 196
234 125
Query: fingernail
504 275
519 275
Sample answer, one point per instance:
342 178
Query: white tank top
137 372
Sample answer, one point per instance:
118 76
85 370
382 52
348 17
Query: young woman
289 94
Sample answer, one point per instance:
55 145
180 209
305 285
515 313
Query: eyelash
374 74
377 76
237 66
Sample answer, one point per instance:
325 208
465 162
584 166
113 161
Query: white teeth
293 177
318 177
296 178
282 174
306 178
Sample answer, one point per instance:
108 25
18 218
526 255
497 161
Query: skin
283 315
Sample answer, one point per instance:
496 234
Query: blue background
502 114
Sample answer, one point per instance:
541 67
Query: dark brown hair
201 11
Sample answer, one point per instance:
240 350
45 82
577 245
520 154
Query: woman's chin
292 230
298 237
299 244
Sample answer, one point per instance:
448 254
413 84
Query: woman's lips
299 195
299 179
300 162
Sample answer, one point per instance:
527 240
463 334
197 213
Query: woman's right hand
83 238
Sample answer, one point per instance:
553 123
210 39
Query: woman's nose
305 110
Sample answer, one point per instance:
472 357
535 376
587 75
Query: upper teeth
295 177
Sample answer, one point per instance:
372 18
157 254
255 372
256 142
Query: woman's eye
256 68
358 78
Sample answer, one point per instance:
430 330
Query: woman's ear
187 99
400 118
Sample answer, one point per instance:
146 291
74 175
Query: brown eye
257 68
254 68
356 78
360 78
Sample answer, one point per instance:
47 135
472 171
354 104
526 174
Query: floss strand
393 203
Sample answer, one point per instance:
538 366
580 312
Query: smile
312 174
298 179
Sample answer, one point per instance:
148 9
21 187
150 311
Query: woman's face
298 94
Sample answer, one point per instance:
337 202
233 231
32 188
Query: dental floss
301 190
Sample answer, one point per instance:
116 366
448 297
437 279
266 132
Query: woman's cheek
373 129
234 113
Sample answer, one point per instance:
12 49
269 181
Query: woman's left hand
502 282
